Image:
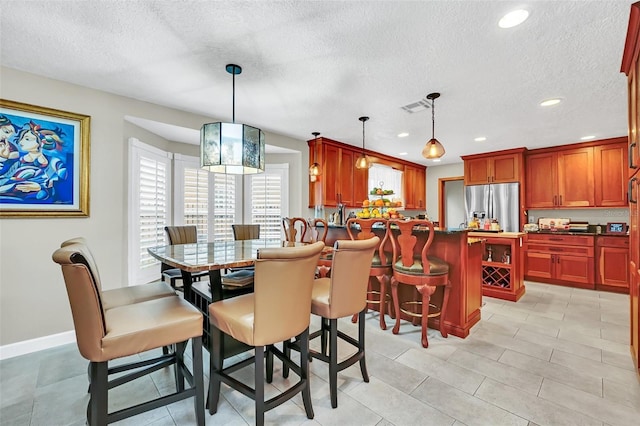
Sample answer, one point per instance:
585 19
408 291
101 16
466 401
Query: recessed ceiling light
550 102
436 160
403 153
403 135
513 19
586 138
480 139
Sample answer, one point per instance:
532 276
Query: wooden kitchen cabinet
502 265
495 167
560 259
611 177
557 179
415 191
612 263
340 181
631 67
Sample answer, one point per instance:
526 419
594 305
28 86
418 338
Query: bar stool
278 309
105 335
319 233
341 295
380 265
425 273
295 228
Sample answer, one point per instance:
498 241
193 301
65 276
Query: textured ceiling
319 65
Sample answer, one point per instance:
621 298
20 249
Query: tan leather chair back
405 243
88 257
350 275
295 228
182 234
282 291
84 298
245 232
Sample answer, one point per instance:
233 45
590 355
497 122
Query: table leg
187 281
215 285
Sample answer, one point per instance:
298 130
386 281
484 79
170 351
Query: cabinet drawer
578 240
574 250
612 241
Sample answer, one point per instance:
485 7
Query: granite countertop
438 230
496 234
563 233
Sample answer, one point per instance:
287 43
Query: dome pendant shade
433 149
232 148
314 169
363 161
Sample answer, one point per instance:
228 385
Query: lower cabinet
560 259
502 273
612 263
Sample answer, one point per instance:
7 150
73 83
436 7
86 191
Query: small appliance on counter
530 227
553 224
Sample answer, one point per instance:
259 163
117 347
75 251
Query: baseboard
38 344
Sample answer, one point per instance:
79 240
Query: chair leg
382 279
216 357
304 368
198 400
179 374
98 403
426 291
396 304
324 328
363 362
286 350
443 310
259 385
333 360
269 355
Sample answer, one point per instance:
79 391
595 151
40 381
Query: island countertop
496 234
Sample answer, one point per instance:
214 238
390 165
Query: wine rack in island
502 271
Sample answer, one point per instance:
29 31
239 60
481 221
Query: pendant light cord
363 136
433 120
233 114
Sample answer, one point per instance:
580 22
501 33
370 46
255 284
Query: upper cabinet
341 182
587 175
415 187
496 167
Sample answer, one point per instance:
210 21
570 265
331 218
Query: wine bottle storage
496 276
501 268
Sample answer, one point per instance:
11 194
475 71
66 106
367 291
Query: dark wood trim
631 45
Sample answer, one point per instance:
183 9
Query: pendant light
433 149
363 161
314 169
229 147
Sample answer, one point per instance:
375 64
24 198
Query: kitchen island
464 256
502 264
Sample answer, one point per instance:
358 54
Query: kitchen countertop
438 230
496 234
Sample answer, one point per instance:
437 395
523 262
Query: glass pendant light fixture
363 161
433 149
229 147
314 169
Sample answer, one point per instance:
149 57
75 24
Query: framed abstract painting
44 161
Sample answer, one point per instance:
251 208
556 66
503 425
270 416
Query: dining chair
104 335
184 234
278 309
424 272
295 228
341 295
125 295
317 230
380 269
246 231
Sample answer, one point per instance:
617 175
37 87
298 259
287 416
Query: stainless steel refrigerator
498 201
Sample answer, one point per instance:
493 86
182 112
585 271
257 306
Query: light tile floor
559 356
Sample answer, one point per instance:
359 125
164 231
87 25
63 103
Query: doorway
451 211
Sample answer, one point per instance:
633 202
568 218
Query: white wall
33 299
433 174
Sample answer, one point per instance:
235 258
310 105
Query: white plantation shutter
196 200
149 191
267 200
225 207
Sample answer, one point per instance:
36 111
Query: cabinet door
421 188
331 175
345 186
409 179
360 186
612 266
634 296
634 121
505 168
539 264
574 268
541 180
575 178
477 171
611 175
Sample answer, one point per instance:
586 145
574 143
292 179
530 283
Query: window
149 189
267 199
386 177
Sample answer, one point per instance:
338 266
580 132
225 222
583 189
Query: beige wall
33 300
433 174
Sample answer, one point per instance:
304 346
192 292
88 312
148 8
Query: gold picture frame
44 161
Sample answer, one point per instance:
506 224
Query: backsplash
592 215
